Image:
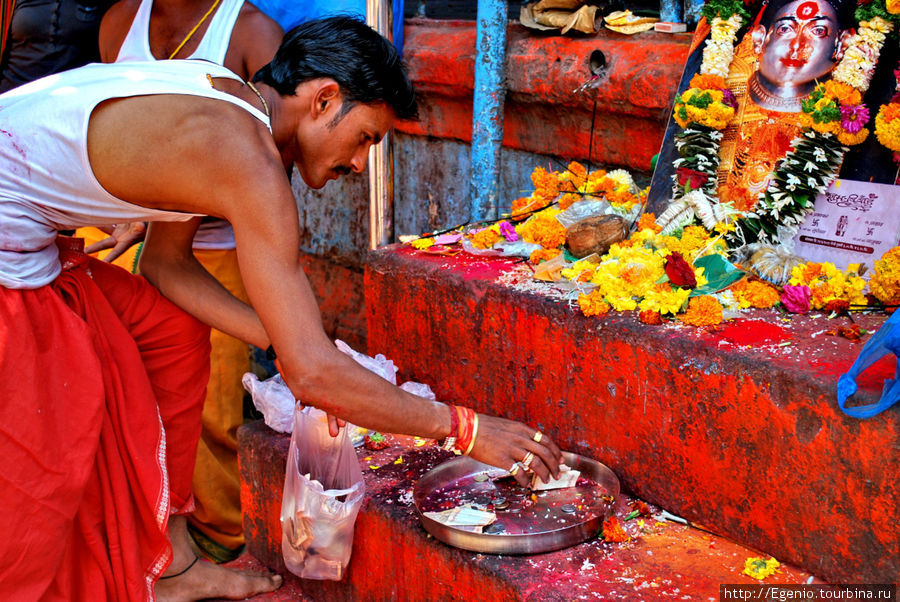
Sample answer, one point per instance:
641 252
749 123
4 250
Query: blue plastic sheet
886 340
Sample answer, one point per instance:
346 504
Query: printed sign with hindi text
853 222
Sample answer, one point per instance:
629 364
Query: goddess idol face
801 45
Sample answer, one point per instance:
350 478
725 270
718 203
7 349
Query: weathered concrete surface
746 440
394 559
542 114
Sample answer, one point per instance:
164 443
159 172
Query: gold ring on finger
526 461
514 469
538 436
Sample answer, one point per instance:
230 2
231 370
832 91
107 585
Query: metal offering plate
527 522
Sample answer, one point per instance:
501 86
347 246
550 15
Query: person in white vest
237 35
104 370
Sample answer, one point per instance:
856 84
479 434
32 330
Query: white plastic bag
273 399
323 491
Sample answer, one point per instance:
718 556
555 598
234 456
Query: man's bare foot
205 579
208 580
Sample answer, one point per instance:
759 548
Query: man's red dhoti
102 382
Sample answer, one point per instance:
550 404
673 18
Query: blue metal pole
487 108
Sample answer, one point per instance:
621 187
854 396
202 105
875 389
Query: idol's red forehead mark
807 10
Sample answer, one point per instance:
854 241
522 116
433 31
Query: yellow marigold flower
580 271
593 304
664 299
543 255
422 243
893 6
755 293
759 568
703 311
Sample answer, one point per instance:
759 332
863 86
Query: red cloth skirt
102 382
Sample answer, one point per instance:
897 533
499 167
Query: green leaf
719 272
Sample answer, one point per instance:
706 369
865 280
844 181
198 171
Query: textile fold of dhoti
100 398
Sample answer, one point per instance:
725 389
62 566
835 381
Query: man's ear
842 43
759 37
326 98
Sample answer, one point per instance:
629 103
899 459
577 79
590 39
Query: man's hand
504 443
122 238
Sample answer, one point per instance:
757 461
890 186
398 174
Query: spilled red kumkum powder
753 332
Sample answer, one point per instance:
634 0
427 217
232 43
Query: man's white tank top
213 233
48 183
213 46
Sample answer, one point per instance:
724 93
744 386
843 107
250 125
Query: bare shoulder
182 153
254 40
114 27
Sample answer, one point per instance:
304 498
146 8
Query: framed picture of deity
781 104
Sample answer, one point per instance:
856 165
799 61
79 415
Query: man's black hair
364 64
843 8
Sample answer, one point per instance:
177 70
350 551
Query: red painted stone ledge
395 559
748 441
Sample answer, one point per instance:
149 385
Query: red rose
680 272
691 177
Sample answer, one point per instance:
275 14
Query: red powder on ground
753 332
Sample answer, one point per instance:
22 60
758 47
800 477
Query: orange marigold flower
708 82
577 174
540 255
755 293
845 94
613 531
838 306
546 184
703 311
640 507
648 221
650 316
566 200
891 111
485 239
593 304
545 230
524 206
